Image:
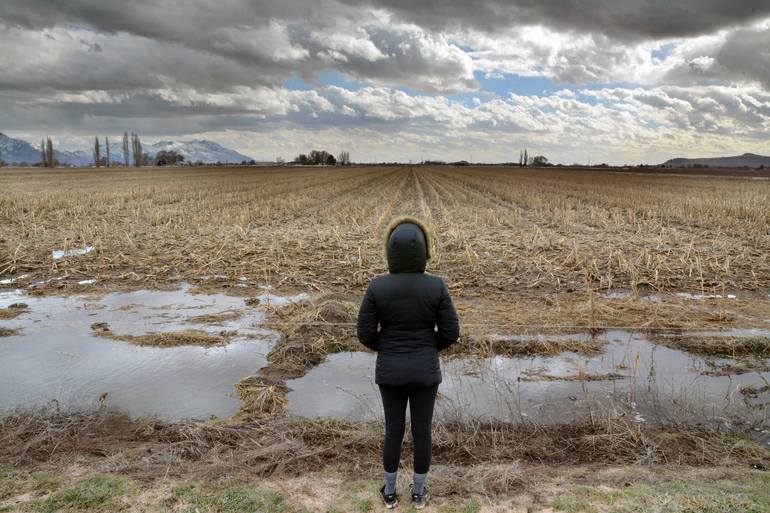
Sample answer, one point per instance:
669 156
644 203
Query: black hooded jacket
407 316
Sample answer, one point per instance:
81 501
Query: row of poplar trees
136 150
135 144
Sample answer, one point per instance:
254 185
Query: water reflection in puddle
654 383
57 358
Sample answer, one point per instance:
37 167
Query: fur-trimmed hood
408 245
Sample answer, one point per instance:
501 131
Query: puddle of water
658 298
57 357
8 281
60 253
559 337
278 301
689 295
667 387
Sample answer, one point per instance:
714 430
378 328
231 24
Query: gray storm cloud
193 66
625 20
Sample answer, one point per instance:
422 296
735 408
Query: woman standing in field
407 316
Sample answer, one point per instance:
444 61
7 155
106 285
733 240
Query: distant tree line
132 154
322 157
525 160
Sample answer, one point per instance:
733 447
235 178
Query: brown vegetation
13 311
310 330
167 338
286 446
720 346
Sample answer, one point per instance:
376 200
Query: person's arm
446 321
368 321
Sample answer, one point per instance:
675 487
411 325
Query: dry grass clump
487 479
311 330
753 390
725 347
229 315
285 446
741 366
13 311
579 376
261 397
487 345
167 338
9 332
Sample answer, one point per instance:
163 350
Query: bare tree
107 149
136 143
125 149
43 162
344 158
526 158
97 153
49 152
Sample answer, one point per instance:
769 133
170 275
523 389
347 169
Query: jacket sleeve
446 321
368 321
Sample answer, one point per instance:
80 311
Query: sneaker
420 501
390 499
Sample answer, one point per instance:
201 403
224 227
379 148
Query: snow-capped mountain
17 151
199 151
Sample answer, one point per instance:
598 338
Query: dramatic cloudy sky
607 80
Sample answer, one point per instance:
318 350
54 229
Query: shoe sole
391 506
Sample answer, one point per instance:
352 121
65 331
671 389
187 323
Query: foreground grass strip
97 493
750 496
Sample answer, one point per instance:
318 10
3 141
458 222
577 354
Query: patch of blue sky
490 87
654 125
664 51
504 84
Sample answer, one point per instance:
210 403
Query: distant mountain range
745 160
17 152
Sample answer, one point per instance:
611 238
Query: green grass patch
750 496
14 483
98 493
226 499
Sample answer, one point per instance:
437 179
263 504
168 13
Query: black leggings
421 401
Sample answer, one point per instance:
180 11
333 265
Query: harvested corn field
504 235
